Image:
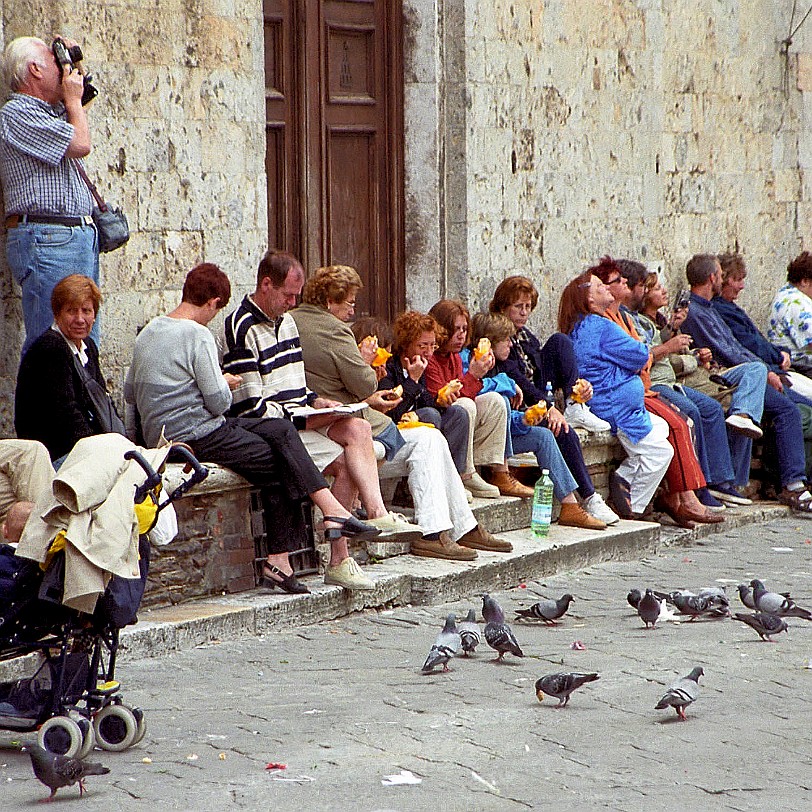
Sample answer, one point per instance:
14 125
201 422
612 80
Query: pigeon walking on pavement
634 597
765 625
746 595
498 635
700 605
774 603
547 610
682 693
470 635
562 685
56 771
648 609
446 645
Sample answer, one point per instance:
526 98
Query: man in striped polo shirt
262 347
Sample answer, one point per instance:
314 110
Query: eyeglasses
614 281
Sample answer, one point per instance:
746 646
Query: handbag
101 402
110 221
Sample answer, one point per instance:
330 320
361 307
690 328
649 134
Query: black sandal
351 528
288 583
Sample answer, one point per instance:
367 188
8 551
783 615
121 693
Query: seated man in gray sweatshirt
175 386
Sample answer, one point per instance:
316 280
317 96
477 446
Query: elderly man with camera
44 134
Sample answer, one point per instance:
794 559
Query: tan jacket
92 502
334 367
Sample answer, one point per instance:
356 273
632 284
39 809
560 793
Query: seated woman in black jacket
51 402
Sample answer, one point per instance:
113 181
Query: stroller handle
153 478
199 473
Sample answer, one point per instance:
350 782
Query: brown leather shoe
510 486
481 539
443 547
573 515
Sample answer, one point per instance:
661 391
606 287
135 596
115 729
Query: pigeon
547 610
746 595
446 645
57 771
634 597
682 693
498 635
764 624
561 685
648 608
697 605
470 634
774 603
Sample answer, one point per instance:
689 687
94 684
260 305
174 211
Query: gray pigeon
547 610
634 598
648 609
561 685
57 771
682 693
700 605
470 634
446 645
764 624
746 595
498 635
774 603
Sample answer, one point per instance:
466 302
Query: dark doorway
334 125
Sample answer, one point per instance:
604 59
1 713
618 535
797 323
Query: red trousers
684 472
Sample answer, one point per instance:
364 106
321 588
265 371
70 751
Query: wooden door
337 122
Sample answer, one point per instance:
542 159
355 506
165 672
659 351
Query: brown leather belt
13 220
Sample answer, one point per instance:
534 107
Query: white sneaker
347 574
395 527
580 416
598 509
744 425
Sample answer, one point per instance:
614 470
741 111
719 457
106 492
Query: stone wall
540 134
652 129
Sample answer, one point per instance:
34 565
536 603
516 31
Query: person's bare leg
360 466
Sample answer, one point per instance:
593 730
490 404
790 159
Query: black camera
73 56
682 299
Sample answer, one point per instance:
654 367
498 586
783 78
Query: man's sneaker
395 527
580 416
729 494
481 539
744 425
598 509
442 547
347 574
710 502
477 487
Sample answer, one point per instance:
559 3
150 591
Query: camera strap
90 185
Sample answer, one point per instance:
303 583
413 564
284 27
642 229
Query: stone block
803 79
787 185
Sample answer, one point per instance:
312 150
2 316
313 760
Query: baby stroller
73 698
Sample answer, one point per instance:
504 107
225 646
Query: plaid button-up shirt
36 175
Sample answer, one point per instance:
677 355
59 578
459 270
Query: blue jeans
712 447
542 443
751 383
41 254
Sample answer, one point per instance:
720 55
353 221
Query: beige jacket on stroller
91 502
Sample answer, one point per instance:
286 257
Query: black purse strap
90 185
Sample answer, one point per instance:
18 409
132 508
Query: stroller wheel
141 725
115 728
61 735
88 738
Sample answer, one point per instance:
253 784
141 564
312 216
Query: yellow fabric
147 514
413 424
59 543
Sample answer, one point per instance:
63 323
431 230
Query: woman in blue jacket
610 360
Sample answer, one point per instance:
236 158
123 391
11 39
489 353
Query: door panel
335 174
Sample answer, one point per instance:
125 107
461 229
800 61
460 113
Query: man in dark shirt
708 329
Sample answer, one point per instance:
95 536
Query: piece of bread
482 348
535 414
451 388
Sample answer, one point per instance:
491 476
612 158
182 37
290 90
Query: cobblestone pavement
342 705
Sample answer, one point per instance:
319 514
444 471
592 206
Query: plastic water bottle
542 505
548 395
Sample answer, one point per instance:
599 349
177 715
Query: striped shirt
37 176
267 355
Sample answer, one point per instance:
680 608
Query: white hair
19 54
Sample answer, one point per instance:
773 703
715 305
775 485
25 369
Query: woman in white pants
610 360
